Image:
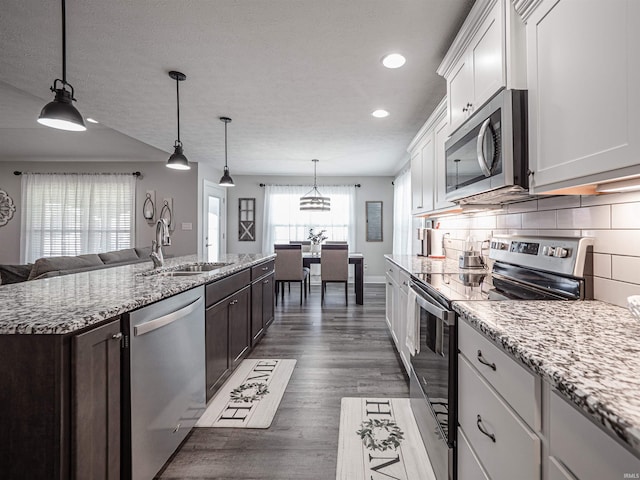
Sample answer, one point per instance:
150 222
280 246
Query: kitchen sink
188 270
199 267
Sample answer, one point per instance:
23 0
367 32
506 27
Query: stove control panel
559 252
563 255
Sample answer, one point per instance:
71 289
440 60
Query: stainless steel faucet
162 240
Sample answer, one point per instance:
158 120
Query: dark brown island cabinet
60 404
262 299
60 395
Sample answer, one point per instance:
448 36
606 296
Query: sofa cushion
119 256
49 264
143 252
14 273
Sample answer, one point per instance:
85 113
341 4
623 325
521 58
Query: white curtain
283 220
73 214
402 214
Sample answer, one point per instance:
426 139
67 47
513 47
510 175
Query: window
283 220
402 214
73 214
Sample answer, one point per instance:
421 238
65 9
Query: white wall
612 220
180 185
372 189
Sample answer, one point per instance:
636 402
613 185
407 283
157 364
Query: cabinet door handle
469 105
117 336
481 359
405 283
390 284
265 269
265 282
483 430
465 109
233 302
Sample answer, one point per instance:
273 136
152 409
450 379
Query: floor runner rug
250 397
379 439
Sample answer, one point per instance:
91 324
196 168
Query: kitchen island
64 351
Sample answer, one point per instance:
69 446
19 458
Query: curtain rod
17 173
357 185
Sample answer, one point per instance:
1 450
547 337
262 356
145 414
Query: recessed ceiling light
91 120
394 60
380 113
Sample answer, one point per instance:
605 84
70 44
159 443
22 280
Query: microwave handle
482 161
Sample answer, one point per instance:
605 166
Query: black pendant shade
60 113
226 180
177 160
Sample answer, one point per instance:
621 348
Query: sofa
48 267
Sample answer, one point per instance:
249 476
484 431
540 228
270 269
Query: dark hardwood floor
341 352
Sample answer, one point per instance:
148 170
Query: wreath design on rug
380 434
255 393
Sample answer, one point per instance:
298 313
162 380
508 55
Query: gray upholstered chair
289 268
306 244
334 266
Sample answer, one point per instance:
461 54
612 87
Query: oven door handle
430 304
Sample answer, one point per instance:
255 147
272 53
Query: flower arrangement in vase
316 239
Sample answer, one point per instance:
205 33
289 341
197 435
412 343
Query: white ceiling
299 78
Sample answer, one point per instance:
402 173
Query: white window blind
283 220
74 214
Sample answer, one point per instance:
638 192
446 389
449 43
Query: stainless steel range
524 268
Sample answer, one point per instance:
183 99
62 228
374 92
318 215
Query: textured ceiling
299 78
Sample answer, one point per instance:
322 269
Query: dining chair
306 244
289 268
334 267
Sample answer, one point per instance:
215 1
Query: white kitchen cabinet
583 91
485 56
583 448
423 150
396 309
441 134
401 325
499 411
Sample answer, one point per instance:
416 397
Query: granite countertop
414 264
69 303
588 350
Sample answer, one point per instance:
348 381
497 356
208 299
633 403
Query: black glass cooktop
464 285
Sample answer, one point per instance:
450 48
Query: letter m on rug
386 463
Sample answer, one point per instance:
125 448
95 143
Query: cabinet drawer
393 271
216 291
585 449
519 388
514 451
468 464
403 281
262 269
557 471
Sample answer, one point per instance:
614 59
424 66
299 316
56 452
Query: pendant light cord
64 43
225 144
177 107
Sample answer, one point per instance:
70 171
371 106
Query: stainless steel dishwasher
164 390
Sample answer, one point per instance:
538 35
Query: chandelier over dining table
313 199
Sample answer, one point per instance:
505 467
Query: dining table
355 259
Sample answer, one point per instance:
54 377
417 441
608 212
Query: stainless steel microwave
487 157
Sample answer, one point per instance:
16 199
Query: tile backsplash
613 221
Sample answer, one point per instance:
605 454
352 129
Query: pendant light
61 113
226 180
313 200
177 160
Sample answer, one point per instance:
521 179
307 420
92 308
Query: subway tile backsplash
613 221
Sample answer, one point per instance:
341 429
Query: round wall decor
7 208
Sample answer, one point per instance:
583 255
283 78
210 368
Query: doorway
214 221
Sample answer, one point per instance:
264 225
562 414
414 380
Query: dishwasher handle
160 322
